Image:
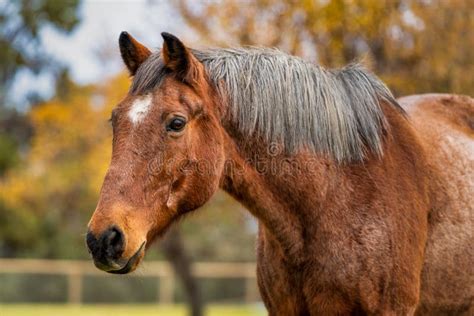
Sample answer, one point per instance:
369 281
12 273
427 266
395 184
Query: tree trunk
174 250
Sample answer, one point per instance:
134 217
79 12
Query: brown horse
364 206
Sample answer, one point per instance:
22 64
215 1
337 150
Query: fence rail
76 270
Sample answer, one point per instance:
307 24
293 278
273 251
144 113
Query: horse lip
130 263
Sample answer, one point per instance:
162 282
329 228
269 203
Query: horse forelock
285 99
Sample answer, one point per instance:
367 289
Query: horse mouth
132 263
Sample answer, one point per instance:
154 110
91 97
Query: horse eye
176 124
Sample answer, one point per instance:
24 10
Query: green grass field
125 310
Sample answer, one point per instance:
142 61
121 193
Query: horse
364 203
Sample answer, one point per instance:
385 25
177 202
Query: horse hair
285 99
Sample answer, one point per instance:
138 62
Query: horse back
454 111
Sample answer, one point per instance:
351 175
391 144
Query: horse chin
132 263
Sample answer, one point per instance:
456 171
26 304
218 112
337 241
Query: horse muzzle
107 251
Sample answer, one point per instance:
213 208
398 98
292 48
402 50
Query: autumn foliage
416 46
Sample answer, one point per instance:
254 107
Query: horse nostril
91 242
113 242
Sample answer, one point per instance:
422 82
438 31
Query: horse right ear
179 59
133 53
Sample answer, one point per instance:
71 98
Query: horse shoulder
445 125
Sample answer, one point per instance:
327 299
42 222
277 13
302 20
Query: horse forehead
140 108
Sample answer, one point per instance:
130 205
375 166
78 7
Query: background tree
416 46
21 23
21 50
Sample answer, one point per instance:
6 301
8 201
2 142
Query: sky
102 22
91 51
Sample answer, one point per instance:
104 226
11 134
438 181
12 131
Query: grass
125 310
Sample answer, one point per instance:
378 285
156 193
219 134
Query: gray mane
285 99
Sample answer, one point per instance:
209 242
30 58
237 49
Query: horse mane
288 100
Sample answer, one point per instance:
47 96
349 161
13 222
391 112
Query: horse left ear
180 60
133 53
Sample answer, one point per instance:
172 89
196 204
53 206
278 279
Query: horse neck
287 193
274 188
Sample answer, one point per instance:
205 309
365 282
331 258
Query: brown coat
391 235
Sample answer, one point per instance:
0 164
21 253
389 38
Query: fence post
250 290
74 280
166 287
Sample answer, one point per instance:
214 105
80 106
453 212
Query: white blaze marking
139 109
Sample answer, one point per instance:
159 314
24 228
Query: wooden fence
76 270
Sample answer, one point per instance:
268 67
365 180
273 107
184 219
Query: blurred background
60 76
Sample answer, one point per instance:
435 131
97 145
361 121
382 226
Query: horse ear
133 53
179 59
